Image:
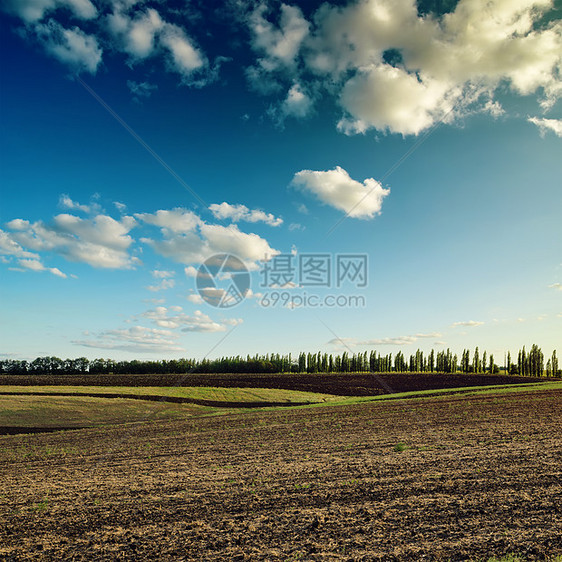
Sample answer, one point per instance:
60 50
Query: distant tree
476 361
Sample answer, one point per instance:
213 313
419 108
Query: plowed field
451 478
343 384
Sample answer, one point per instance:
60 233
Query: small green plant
41 506
399 447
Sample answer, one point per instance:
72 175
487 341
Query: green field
85 411
31 406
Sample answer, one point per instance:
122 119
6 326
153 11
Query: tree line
528 363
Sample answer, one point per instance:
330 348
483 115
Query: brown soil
344 384
481 476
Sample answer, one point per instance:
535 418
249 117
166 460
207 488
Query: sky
205 179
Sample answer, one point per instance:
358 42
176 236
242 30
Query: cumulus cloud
137 33
145 33
468 323
556 286
122 26
545 125
161 274
337 189
187 239
175 318
400 340
184 57
391 99
36 265
396 70
73 47
162 286
135 339
280 44
104 242
297 103
100 241
9 247
396 340
67 203
241 213
177 220
34 10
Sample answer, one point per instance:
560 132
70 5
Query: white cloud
188 240
196 299
177 220
70 46
198 322
36 265
100 241
34 10
388 98
278 45
135 339
394 70
338 189
544 125
469 323
10 247
161 274
185 58
241 213
556 286
146 34
190 271
401 340
66 202
397 340
297 103
136 34
162 286
248 247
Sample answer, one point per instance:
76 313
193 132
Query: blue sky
141 138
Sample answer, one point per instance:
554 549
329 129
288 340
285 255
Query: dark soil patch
477 476
348 384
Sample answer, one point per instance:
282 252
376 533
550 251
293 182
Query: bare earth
481 476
